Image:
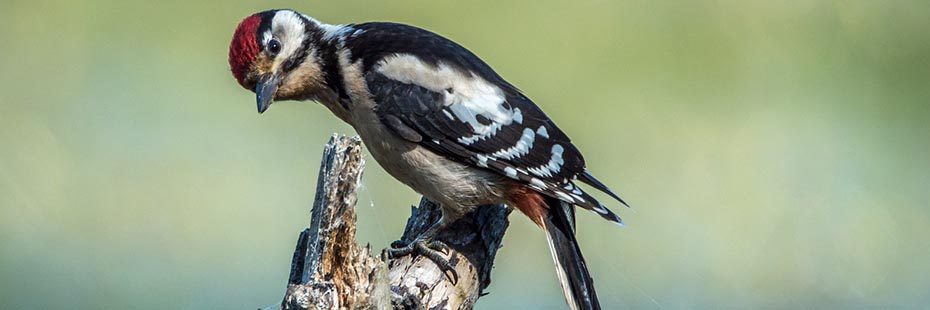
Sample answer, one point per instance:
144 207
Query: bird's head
275 54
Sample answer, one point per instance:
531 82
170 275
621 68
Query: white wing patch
481 123
466 95
469 99
287 27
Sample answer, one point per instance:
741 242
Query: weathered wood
329 270
474 240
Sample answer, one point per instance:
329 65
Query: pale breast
454 185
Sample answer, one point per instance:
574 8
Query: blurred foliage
776 153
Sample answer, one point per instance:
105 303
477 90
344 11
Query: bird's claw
439 246
433 250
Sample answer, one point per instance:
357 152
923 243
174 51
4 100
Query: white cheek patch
288 28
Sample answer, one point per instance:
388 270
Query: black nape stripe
264 26
332 71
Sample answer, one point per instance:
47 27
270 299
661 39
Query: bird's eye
274 47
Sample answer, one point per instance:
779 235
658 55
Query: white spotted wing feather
464 117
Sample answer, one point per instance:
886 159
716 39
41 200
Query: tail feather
589 179
574 277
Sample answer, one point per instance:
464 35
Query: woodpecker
435 117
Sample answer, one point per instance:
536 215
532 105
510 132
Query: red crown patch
244 48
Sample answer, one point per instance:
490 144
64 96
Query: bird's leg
426 246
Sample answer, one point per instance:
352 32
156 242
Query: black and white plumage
467 112
435 116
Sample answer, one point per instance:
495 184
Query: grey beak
264 91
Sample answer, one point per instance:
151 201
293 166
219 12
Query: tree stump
330 270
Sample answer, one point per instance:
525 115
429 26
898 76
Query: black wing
470 114
532 150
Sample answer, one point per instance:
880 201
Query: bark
331 270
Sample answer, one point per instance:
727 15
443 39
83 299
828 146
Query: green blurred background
776 153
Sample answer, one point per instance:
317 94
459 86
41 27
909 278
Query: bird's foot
432 249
